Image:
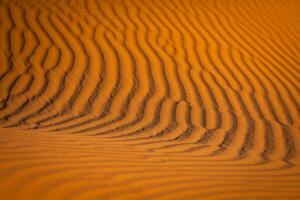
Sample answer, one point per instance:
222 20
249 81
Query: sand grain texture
137 99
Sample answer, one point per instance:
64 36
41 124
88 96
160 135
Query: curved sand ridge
159 99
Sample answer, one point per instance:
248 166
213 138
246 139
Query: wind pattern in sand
174 99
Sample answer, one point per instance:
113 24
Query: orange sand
138 99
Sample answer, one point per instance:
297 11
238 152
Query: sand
138 99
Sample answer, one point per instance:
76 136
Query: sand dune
140 99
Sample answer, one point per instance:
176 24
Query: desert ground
150 99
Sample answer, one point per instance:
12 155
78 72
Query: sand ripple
161 99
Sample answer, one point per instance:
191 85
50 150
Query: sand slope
159 99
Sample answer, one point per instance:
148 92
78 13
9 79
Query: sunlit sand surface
140 99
